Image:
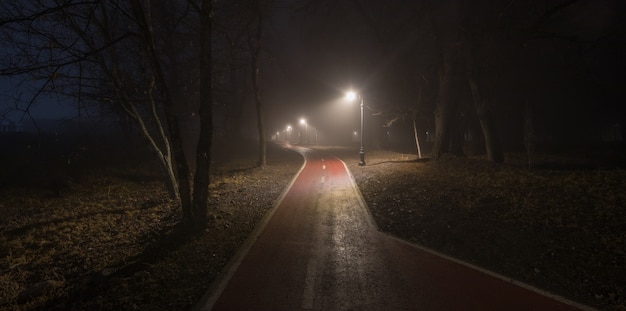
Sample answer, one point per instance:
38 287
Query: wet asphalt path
320 250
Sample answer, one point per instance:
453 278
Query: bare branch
40 14
85 56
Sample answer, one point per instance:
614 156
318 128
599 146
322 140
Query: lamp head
351 96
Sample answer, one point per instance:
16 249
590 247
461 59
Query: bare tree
243 32
485 115
121 56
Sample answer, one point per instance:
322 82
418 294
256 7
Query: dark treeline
499 75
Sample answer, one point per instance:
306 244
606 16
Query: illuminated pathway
320 250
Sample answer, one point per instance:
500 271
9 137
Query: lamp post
288 136
306 131
352 96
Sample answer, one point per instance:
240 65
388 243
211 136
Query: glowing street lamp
352 96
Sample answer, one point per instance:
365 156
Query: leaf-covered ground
107 238
560 227
110 241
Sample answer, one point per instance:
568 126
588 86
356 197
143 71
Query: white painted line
309 285
323 179
324 166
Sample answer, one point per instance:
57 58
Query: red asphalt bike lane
319 249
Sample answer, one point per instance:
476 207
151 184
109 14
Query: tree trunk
529 136
492 143
417 141
457 134
203 150
178 152
164 158
414 119
256 67
445 107
259 110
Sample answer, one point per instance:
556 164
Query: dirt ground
109 239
